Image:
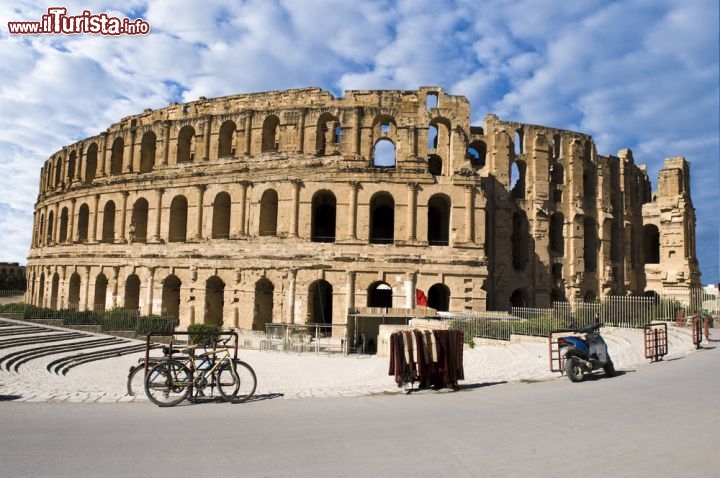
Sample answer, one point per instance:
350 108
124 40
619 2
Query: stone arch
590 244
186 145
435 165
270 134
438 220
477 154
557 237
384 153
91 160
108 231
41 290
439 297
116 156
382 218
320 302
518 298
328 129
148 147
72 164
651 243
54 291
263 309
214 301
83 222
226 139
49 228
63 225
177 231
380 294
221 216
100 296
132 293
58 171
323 220
519 239
40 230
74 292
268 213
440 143
170 301
139 221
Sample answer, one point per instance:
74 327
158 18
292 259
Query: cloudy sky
638 74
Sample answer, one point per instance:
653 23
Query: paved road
661 420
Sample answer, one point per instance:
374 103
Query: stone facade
296 206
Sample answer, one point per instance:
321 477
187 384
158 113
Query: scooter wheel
609 369
573 370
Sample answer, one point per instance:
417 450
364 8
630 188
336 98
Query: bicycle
171 381
137 373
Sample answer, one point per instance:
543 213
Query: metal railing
314 338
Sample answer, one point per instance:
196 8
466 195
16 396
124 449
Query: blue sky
638 74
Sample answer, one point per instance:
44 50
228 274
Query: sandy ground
289 375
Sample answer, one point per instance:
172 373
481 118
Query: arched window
40 231
328 133
268 213
116 156
178 219
63 225
108 232
556 146
41 290
438 220
477 153
382 219
270 139
432 139
590 183
147 152
557 239
384 153
264 290
100 297
380 294
83 220
74 292
132 293
214 300
186 145
518 298
439 297
72 163
226 139
651 240
517 179
221 216
139 220
170 305
518 143
519 239
91 163
557 173
54 288
49 233
435 165
590 244
58 171
323 217
320 302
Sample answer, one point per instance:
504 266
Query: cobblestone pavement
288 375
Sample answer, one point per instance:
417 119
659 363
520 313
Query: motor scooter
585 354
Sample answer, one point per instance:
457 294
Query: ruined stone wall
295 206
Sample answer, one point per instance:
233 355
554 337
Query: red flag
420 298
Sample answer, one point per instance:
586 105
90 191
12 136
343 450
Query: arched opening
72 163
116 156
170 305
268 213
557 173
431 101
651 240
590 296
186 145
556 146
83 220
108 232
557 271
147 152
557 295
63 225
328 132
435 165
519 240
91 163
557 239
380 294
477 154
178 219
382 219
226 139
518 298
40 230
438 220
517 179
439 297
518 143
589 183
74 292
323 217
590 244
138 221
616 242
214 300
320 302
263 310
132 293
100 296
384 153
270 140
58 172
41 290
54 288
221 216
432 137
49 232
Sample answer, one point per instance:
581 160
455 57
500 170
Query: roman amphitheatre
299 207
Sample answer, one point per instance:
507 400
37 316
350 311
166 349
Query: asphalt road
660 420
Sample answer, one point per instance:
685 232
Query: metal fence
316 338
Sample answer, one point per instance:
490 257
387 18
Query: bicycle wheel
168 383
227 382
247 382
136 380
